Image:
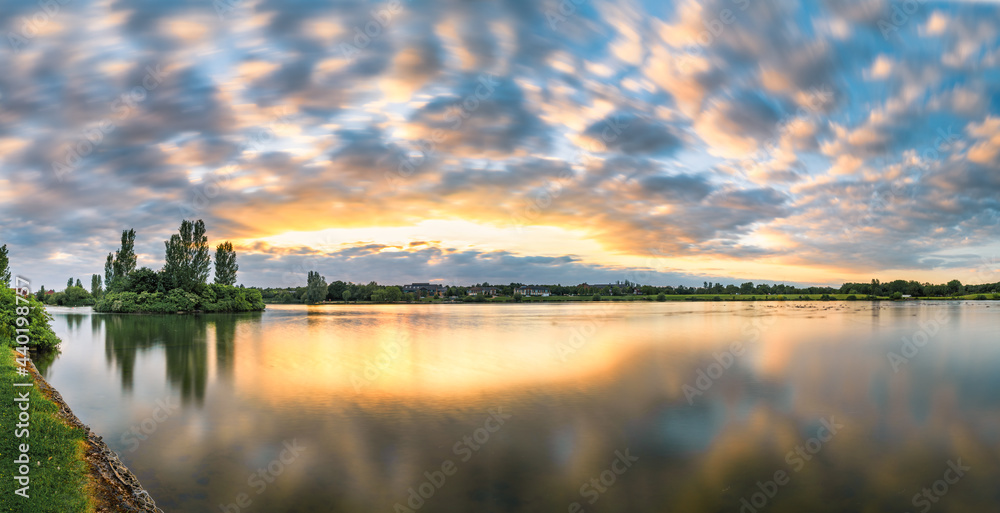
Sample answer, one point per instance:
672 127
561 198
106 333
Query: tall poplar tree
225 264
187 259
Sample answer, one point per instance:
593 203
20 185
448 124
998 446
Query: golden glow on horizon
557 241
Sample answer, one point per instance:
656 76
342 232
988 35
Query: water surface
527 408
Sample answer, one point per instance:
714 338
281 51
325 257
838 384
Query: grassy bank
58 470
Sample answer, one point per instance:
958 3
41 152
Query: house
425 289
533 290
486 291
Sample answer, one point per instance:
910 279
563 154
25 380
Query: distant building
486 291
22 291
432 289
533 291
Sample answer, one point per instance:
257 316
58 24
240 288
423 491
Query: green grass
59 473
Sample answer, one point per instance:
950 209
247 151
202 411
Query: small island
179 287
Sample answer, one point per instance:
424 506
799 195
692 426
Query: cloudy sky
537 141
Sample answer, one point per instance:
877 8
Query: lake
596 407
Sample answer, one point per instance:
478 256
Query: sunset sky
510 140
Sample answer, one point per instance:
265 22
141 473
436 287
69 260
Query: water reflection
811 415
182 340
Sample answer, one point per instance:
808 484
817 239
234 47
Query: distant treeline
340 290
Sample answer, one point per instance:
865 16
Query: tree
40 295
336 290
143 280
69 282
78 284
393 294
4 266
187 259
95 286
346 295
315 287
125 256
109 271
225 264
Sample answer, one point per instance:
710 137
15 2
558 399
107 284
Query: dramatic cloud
506 141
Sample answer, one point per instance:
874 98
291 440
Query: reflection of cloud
623 388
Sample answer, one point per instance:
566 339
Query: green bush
597 297
852 297
981 297
661 297
211 298
897 295
40 332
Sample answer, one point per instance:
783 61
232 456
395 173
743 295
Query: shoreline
641 299
114 487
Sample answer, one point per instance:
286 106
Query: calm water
528 408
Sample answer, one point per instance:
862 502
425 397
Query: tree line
317 290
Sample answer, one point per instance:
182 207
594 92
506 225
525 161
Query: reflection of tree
187 356
124 336
74 321
43 360
184 341
181 336
225 343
